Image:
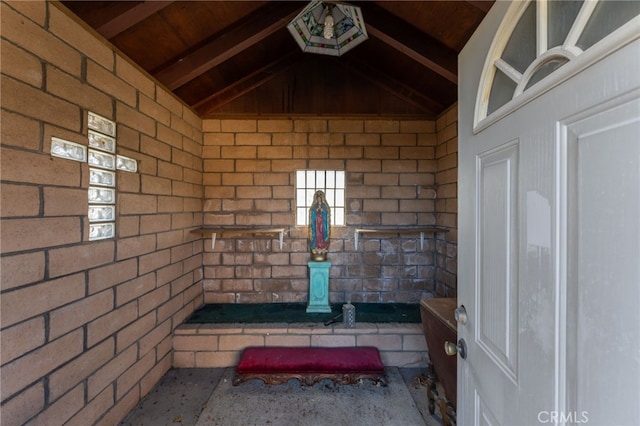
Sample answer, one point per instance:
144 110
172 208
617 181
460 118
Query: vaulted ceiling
238 58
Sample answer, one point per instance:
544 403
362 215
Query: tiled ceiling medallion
328 28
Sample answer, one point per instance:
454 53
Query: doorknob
460 348
460 315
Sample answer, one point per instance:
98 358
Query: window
538 38
102 177
329 181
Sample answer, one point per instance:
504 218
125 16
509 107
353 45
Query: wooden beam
247 83
228 45
398 88
411 42
483 5
416 56
130 17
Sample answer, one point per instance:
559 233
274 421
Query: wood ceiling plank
411 42
230 44
449 22
130 17
396 87
483 5
413 54
97 13
247 83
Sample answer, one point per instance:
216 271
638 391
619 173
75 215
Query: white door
549 238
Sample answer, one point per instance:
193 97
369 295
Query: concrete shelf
213 232
398 231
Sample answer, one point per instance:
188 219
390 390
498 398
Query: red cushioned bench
277 365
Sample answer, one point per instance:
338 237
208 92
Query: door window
538 38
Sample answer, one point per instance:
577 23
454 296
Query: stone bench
343 365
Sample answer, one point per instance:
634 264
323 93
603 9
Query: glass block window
332 182
538 38
103 165
102 177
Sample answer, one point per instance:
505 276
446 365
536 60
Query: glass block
339 198
102 177
311 178
300 181
331 179
102 159
127 164
300 197
101 213
102 195
338 216
69 150
100 231
103 142
309 199
101 124
302 215
330 196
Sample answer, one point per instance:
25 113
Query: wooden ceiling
238 58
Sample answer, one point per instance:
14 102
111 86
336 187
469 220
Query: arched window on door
538 39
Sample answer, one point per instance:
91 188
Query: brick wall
391 168
447 202
87 325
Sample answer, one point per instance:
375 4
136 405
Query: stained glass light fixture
328 28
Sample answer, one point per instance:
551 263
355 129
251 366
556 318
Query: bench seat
277 365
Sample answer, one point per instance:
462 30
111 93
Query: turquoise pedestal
319 287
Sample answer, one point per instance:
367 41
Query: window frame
335 194
578 59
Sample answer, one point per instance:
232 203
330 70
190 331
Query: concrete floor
183 394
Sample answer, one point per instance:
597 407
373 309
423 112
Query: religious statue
319 227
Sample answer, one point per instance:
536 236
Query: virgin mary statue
319 227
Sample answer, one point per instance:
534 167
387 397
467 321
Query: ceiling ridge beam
247 83
131 17
223 48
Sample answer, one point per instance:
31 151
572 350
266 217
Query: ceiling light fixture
328 24
328 28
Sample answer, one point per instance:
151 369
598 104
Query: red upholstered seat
310 364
